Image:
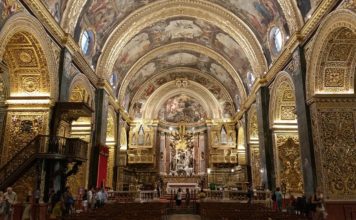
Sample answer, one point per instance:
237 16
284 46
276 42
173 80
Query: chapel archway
331 93
81 91
284 126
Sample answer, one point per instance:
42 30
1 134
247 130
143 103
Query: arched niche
331 69
35 52
283 122
331 93
80 90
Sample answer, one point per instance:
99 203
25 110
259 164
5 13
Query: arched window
87 41
223 135
250 79
141 136
276 40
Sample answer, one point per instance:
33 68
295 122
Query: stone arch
282 103
283 122
80 90
31 27
333 61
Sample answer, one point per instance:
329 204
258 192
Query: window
86 42
276 39
250 79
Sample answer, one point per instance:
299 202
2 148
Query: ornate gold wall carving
288 162
255 165
332 56
334 132
252 124
27 66
21 128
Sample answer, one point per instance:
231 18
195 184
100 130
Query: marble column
265 138
297 70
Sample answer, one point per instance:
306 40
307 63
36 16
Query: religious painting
182 108
182 59
187 30
8 8
146 90
103 16
307 7
56 8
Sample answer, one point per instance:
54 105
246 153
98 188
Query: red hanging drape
102 166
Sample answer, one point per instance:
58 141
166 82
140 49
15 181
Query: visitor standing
279 199
318 201
187 197
249 194
10 199
179 197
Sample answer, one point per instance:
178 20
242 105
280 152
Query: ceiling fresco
56 8
8 8
182 30
307 7
150 86
103 16
181 108
173 59
260 15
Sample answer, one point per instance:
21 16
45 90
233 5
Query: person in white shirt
10 198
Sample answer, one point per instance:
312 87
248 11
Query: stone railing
237 195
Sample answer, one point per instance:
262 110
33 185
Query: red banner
102 166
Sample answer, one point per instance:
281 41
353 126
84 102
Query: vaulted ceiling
222 45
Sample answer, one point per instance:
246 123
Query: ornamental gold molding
65 39
71 14
342 18
282 100
293 42
292 15
40 50
160 10
179 46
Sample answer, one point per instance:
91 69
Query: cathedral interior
221 94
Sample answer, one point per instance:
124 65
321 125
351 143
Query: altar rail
130 196
237 195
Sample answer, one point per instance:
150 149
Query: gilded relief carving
287 113
335 150
289 163
256 166
21 128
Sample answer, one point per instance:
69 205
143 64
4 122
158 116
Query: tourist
68 201
179 197
202 194
85 200
279 199
318 201
249 194
91 198
187 197
10 199
2 205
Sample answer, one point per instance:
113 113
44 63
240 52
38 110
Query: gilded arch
25 23
327 77
80 90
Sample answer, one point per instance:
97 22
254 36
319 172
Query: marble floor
183 217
